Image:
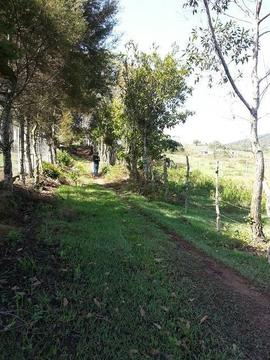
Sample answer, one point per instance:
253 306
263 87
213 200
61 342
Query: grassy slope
110 295
198 227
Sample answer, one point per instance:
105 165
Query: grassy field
239 165
110 284
236 179
101 298
102 274
198 228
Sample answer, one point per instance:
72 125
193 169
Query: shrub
74 175
64 158
50 170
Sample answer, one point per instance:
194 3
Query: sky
218 117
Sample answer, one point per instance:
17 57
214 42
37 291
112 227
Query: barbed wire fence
223 214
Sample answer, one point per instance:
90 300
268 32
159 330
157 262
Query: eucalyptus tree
154 91
232 44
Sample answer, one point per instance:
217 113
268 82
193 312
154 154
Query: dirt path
246 306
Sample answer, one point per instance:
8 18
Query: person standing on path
96 160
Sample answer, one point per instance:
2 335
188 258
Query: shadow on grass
232 245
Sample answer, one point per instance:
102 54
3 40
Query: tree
196 142
38 35
89 71
230 44
154 90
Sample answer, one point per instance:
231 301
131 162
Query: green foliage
50 170
74 175
90 70
14 237
28 265
64 158
153 94
199 183
233 36
235 193
105 169
115 173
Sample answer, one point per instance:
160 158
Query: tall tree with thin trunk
22 148
232 44
28 148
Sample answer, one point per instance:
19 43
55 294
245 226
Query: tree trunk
253 108
187 184
133 162
55 153
165 178
36 155
267 195
145 155
28 149
256 202
22 149
54 147
6 143
51 152
111 156
217 199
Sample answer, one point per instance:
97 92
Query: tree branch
222 59
264 91
264 33
265 76
264 18
259 7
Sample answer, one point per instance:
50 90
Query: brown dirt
244 307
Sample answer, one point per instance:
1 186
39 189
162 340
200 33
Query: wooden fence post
165 178
187 183
217 198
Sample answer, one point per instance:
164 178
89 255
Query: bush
64 159
50 170
74 175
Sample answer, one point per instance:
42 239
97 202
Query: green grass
241 167
116 288
198 227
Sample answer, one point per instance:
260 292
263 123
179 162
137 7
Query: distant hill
246 145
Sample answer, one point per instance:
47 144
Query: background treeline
54 66
62 83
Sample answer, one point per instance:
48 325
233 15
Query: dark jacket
96 159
